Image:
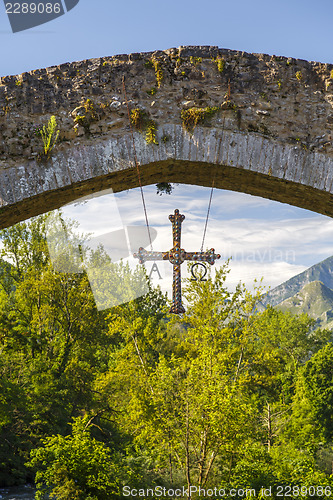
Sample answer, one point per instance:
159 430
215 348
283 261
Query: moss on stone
85 115
138 117
195 60
152 91
193 116
154 63
149 64
158 73
141 121
151 130
179 61
220 63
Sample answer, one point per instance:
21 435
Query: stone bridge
254 123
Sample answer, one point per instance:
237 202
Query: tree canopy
91 401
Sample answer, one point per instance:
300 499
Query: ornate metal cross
176 257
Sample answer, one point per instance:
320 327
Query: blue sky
96 28
265 238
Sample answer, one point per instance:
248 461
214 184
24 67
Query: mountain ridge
314 299
322 272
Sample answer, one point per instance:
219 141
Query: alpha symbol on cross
154 269
176 256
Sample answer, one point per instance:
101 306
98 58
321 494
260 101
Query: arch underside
175 171
238 161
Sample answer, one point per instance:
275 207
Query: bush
76 467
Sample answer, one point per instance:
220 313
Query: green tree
312 419
51 336
282 343
77 467
182 401
54 344
204 399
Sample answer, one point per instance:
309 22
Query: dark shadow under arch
184 172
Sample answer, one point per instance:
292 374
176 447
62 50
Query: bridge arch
265 128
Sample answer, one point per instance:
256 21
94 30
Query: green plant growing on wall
88 107
299 76
193 116
149 64
86 114
152 91
154 63
195 60
178 62
158 72
220 63
164 187
141 121
112 63
151 130
138 117
49 134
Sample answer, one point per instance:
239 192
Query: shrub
49 134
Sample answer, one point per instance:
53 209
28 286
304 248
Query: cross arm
143 255
210 256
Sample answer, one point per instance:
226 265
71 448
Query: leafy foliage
76 466
91 401
141 121
164 187
49 134
195 116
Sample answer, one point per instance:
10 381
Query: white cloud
272 273
264 238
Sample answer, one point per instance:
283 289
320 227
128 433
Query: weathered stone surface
272 135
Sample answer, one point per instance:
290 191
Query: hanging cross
176 257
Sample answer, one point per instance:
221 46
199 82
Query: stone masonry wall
277 100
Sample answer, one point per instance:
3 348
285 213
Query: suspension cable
211 194
208 211
137 166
